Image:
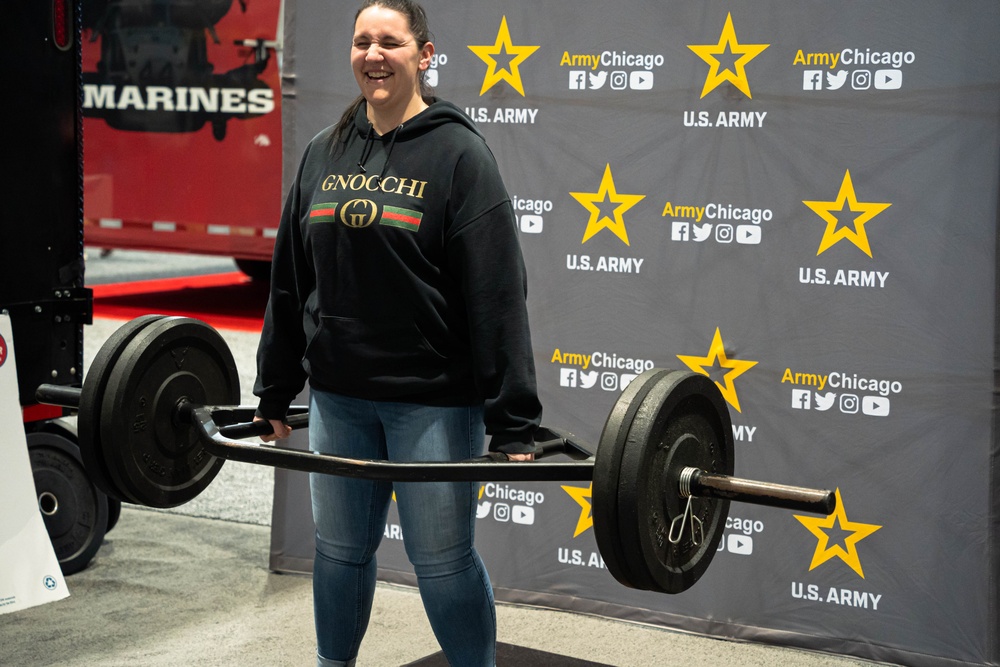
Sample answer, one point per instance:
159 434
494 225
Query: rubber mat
509 655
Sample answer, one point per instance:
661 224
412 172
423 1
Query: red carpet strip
224 300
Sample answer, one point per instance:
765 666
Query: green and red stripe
403 218
325 212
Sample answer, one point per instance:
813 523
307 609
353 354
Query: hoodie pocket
347 350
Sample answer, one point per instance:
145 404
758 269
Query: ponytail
342 129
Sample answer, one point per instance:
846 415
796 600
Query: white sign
29 570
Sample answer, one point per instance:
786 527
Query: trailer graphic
181 106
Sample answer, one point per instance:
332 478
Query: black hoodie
398 276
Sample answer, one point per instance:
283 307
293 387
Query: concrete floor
170 590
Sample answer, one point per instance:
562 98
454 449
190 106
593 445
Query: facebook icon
812 79
679 230
577 79
801 399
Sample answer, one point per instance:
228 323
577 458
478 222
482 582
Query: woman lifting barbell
398 290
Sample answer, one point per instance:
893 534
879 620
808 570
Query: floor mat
509 655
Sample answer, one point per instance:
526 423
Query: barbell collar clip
677 524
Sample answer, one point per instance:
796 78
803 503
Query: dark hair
416 17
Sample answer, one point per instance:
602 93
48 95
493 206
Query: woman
398 290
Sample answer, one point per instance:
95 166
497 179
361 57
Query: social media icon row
724 233
861 79
581 79
576 378
874 406
504 513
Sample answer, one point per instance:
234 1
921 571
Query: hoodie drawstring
366 151
388 152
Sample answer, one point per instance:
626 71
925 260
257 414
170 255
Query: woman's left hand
521 457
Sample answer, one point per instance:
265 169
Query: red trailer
182 119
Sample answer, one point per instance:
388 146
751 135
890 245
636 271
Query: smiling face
387 61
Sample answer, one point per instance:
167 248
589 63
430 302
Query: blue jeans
437 520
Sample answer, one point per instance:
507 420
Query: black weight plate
94 386
74 510
682 422
155 458
607 463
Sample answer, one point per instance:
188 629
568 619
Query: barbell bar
158 416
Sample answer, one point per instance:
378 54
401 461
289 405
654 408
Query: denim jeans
437 520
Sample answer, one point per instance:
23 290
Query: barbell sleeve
713 485
61 395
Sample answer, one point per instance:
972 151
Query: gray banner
798 199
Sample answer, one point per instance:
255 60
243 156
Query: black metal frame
41 202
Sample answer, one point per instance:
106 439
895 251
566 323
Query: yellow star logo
717 355
846 201
582 497
505 48
849 555
600 220
727 44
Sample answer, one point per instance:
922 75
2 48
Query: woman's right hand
281 430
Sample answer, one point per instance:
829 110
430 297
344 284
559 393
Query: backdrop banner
798 199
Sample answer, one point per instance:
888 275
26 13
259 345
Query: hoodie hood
438 113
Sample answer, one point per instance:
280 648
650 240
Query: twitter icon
701 232
825 401
834 80
597 80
